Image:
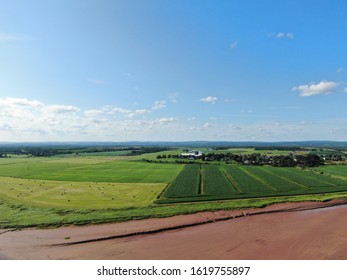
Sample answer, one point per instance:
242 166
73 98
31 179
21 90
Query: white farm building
192 154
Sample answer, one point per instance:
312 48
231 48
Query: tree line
302 160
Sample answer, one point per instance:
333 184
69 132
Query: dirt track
309 230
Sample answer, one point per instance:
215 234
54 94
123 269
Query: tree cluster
308 160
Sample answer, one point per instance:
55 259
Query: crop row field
214 182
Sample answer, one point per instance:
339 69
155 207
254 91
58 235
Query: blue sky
102 70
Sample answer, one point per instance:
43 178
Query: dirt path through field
309 230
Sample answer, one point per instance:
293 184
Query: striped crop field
304 178
246 181
186 184
215 182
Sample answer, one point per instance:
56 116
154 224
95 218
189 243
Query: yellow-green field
78 195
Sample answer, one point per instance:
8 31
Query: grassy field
77 195
67 190
89 170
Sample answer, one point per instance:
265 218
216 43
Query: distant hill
318 144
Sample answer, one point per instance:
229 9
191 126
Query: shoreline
71 242
218 216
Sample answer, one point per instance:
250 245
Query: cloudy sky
102 70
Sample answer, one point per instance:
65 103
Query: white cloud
323 87
233 45
9 101
345 90
98 121
283 35
167 120
111 110
209 99
134 113
31 120
61 109
159 105
6 37
93 112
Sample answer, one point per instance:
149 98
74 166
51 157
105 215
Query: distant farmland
214 182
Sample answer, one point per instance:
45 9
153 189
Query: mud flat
308 230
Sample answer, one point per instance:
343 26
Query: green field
186 184
235 181
339 171
55 191
89 170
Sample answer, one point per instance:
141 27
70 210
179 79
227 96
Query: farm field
77 195
54 191
186 184
235 181
339 171
89 170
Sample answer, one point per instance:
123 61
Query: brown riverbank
308 230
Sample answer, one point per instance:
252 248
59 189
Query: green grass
19 216
97 170
58 191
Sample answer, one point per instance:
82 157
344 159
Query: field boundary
231 180
164 189
201 182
